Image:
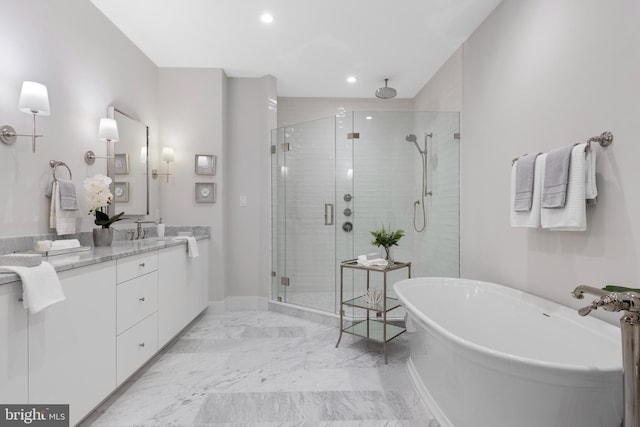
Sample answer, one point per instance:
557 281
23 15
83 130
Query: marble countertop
98 254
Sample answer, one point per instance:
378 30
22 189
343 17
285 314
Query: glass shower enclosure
336 179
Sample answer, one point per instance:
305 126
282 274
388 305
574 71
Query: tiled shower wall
383 173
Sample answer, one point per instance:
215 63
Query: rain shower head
386 92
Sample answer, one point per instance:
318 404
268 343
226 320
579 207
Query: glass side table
372 329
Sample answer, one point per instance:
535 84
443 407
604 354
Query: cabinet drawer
136 265
137 299
135 346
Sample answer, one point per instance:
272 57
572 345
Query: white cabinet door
72 344
199 283
173 296
14 378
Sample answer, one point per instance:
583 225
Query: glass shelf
359 302
373 330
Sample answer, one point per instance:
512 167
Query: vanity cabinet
80 350
137 308
13 345
72 344
183 290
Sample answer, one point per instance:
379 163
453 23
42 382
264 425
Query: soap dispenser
160 228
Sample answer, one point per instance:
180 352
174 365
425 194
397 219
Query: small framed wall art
205 164
121 191
205 192
121 162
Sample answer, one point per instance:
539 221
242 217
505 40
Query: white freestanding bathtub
486 355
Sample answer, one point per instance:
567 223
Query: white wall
192 104
443 92
539 74
251 116
87 65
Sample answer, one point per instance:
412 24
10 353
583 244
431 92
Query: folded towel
573 216
525 168
192 245
371 260
68 200
63 221
42 245
21 260
65 244
40 286
592 190
556 177
530 219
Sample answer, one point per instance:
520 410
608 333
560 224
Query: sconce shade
168 155
34 99
108 130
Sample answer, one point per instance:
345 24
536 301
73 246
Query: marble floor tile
263 368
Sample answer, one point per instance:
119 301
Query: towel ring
54 164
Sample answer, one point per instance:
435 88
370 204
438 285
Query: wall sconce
108 132
168 156
34 99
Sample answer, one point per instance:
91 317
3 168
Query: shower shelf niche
379 331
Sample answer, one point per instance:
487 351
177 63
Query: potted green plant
386 239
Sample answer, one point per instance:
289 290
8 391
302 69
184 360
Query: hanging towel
556 177
530 219
192 245
68 200
40 286
592 190
525 168
573 216
63 221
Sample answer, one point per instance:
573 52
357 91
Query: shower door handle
328 214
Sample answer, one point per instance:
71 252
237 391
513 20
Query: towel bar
605 139
54 164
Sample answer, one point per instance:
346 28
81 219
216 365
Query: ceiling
312 46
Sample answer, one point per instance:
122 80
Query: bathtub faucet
629 302
609 301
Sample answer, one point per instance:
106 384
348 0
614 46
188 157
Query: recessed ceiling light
267 18
369 117
351 79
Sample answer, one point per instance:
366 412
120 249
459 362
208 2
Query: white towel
192 245
592 190
63 221
530 219
40 286
65 244
372 260
573 216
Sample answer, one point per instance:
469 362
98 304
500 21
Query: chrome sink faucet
140 234
629 302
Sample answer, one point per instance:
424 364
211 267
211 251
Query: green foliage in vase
385 238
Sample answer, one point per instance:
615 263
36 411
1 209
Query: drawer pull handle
141 265
21 299
141 299
141 345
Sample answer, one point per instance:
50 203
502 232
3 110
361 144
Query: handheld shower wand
423 154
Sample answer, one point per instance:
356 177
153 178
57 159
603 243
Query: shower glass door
305 214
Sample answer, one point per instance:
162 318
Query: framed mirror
129 164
